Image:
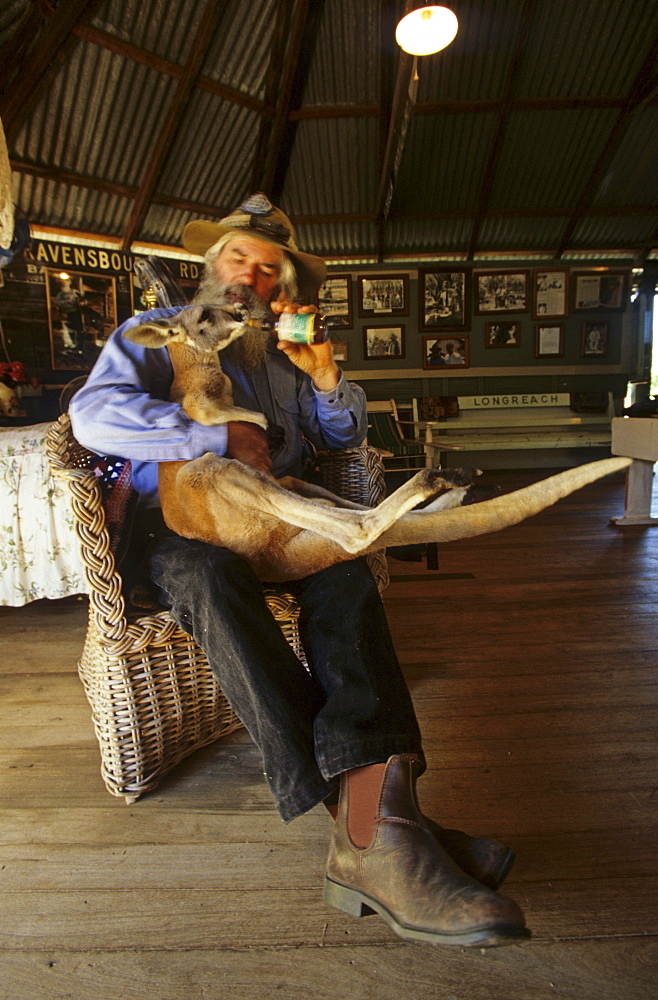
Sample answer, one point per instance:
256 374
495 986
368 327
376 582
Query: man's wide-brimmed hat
258 217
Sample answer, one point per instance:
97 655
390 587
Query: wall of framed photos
461 330
431 330
59 302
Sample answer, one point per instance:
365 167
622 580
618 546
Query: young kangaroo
288 529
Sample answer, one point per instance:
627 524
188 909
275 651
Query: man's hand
248 443
317 360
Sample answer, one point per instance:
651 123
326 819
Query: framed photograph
502 334
445 296
383 343
595 340
501 291
334 300
340 350
442 352
550 289
549 340
82 313
385 295
603 290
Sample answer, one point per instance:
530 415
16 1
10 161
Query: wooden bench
520 421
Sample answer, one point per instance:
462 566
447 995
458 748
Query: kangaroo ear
157 333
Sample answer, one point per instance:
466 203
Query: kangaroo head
205 326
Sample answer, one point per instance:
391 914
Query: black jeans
352 708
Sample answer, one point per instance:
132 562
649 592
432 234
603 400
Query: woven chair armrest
66 458
355 474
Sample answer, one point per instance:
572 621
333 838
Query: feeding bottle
298 328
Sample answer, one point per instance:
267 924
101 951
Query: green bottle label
299 328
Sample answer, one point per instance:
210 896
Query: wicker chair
153 696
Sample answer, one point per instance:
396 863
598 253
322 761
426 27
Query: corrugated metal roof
585 47
475 66
345 67
325 153
84 146
163 27
548 155
444 162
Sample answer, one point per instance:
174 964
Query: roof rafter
71 178
113 43
272 83
31 68
503 120
466 107
642 92
277 152
311 27
388 68
200 45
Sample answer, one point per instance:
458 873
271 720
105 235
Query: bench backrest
508 401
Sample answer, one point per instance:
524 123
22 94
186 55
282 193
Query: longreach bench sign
509 401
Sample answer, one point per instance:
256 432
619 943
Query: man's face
247 260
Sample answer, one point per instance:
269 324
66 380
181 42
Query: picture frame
445 352
550 289
501 292
594 342
502 333
334 300
383 343
82 313
383 295
606 291
444 298
340 350
549 340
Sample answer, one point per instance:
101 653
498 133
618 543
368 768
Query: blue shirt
123 409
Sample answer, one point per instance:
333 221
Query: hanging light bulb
426 30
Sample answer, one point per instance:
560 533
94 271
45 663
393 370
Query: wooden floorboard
532 659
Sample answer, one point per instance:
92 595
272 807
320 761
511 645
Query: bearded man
347 724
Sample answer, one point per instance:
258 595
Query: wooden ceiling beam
33 71
395 117
503 120
641 93
120 47
44 7
467 107
310 31
271 174
278 46
13 52
200 45
74 179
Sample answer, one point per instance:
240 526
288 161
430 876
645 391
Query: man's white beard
249 349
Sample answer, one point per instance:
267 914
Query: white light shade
426 30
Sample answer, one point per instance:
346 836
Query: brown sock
364 785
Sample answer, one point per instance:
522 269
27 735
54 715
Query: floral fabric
39 554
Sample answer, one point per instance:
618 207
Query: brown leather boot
482 858
383 859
